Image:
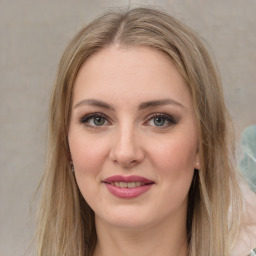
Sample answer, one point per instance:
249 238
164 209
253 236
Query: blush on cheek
178 157
178 167
87 153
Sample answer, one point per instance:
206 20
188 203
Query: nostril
125 150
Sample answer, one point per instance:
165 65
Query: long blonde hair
65 222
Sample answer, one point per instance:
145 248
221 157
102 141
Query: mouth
128 186
132 181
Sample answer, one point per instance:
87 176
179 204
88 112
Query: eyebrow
94 102
155 103
144 105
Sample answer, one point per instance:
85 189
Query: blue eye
161 120
94 120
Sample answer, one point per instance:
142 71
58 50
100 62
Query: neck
160 240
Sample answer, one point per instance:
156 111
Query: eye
94 120
160 120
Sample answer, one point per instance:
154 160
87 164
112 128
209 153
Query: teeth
137 183
131 185
127 184
123 185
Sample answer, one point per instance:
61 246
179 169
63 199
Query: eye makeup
98 120
160 120
94 120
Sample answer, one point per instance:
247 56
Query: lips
128 186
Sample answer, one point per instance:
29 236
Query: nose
126 149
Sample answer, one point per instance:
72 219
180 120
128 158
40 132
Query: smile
128 186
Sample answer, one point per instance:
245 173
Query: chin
129 224
125 219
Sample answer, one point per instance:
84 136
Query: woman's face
133 137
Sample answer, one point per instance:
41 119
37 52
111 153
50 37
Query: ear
70 158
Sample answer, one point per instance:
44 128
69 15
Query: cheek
87 154
178 153
174 161
176 170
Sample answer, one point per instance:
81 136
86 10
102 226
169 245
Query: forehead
134 73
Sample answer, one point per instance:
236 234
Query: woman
140 155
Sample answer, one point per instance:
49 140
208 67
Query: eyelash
169 119
85 119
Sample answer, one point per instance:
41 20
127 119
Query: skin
130 140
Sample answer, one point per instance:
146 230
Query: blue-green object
252 252
248 162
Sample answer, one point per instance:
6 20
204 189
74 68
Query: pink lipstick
128 186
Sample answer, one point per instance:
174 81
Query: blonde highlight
66 222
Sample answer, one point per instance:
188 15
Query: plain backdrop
33 37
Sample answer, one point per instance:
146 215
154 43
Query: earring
197 165
72 166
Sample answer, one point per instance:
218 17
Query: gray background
33 37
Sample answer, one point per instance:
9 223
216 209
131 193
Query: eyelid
168 118
85 118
